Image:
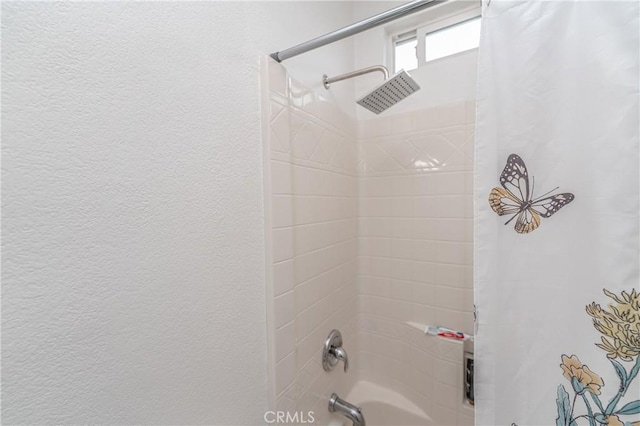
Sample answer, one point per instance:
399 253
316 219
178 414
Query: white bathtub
383 407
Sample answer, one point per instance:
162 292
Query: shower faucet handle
333 352
341 355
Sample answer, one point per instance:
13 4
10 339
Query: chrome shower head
389 93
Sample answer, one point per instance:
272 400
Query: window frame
420 33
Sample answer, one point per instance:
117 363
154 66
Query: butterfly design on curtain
516 198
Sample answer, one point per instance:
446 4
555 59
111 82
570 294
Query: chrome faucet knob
333 352
341 355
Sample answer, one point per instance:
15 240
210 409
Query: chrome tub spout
350 411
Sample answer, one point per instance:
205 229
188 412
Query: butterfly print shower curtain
557 223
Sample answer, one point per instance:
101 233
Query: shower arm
327 81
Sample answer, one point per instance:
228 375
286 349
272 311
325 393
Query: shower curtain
556 214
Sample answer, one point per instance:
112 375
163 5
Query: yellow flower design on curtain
619 326
587 379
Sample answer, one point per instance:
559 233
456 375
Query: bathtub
383 407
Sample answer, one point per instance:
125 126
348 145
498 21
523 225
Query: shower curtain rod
358 27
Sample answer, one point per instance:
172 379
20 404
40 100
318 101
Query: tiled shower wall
370 228
311 173
415 253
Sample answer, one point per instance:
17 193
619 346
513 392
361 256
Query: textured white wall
133 254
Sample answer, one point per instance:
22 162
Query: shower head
389 93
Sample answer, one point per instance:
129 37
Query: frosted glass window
406 57
453 39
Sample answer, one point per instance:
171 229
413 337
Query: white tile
401 269
381 267
295 124
451 183
456 137
424 184
455 206
285 373
277 78
282 244
402 290
378 160
437 150
307 266
314 181
424 272
402 123
468 183
450 298
301 210
402 249
380 247
276 106
460 230
285 341
423 294
364 265
325 109
441 116
285 402
310 103
283 277
446 396
454 252
306 140
281 132
424 250
308 238
470 108
467 300
424 229
283 309
316 208
376 286
467 325
378 187
454 275
312 317
375 227
310 292
443 416
465 420
446 372
425 207
403 152
299 180
403 228
379 306
402 207
423 314
326 148
282 211
402 185
423 383
420 361
280 177
380 207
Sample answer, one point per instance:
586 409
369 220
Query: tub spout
350 411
